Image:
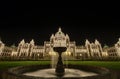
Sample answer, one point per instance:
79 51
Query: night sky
90 23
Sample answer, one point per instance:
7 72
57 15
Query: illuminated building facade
31 51
114 51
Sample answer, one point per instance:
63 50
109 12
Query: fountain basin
69 73
19 72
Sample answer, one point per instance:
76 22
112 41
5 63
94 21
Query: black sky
90 23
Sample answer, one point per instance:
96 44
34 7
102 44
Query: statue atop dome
59 29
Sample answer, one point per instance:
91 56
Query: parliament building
31 51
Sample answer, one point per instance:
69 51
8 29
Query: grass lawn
9 64
115 65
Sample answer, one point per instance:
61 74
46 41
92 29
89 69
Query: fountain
60 67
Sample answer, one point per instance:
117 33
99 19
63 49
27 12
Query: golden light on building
90 49
52 53
67 53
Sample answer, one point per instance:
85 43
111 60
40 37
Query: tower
117 47
2 45
87 45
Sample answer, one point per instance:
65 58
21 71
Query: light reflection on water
68 73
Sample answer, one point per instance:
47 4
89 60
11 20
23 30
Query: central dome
59 34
